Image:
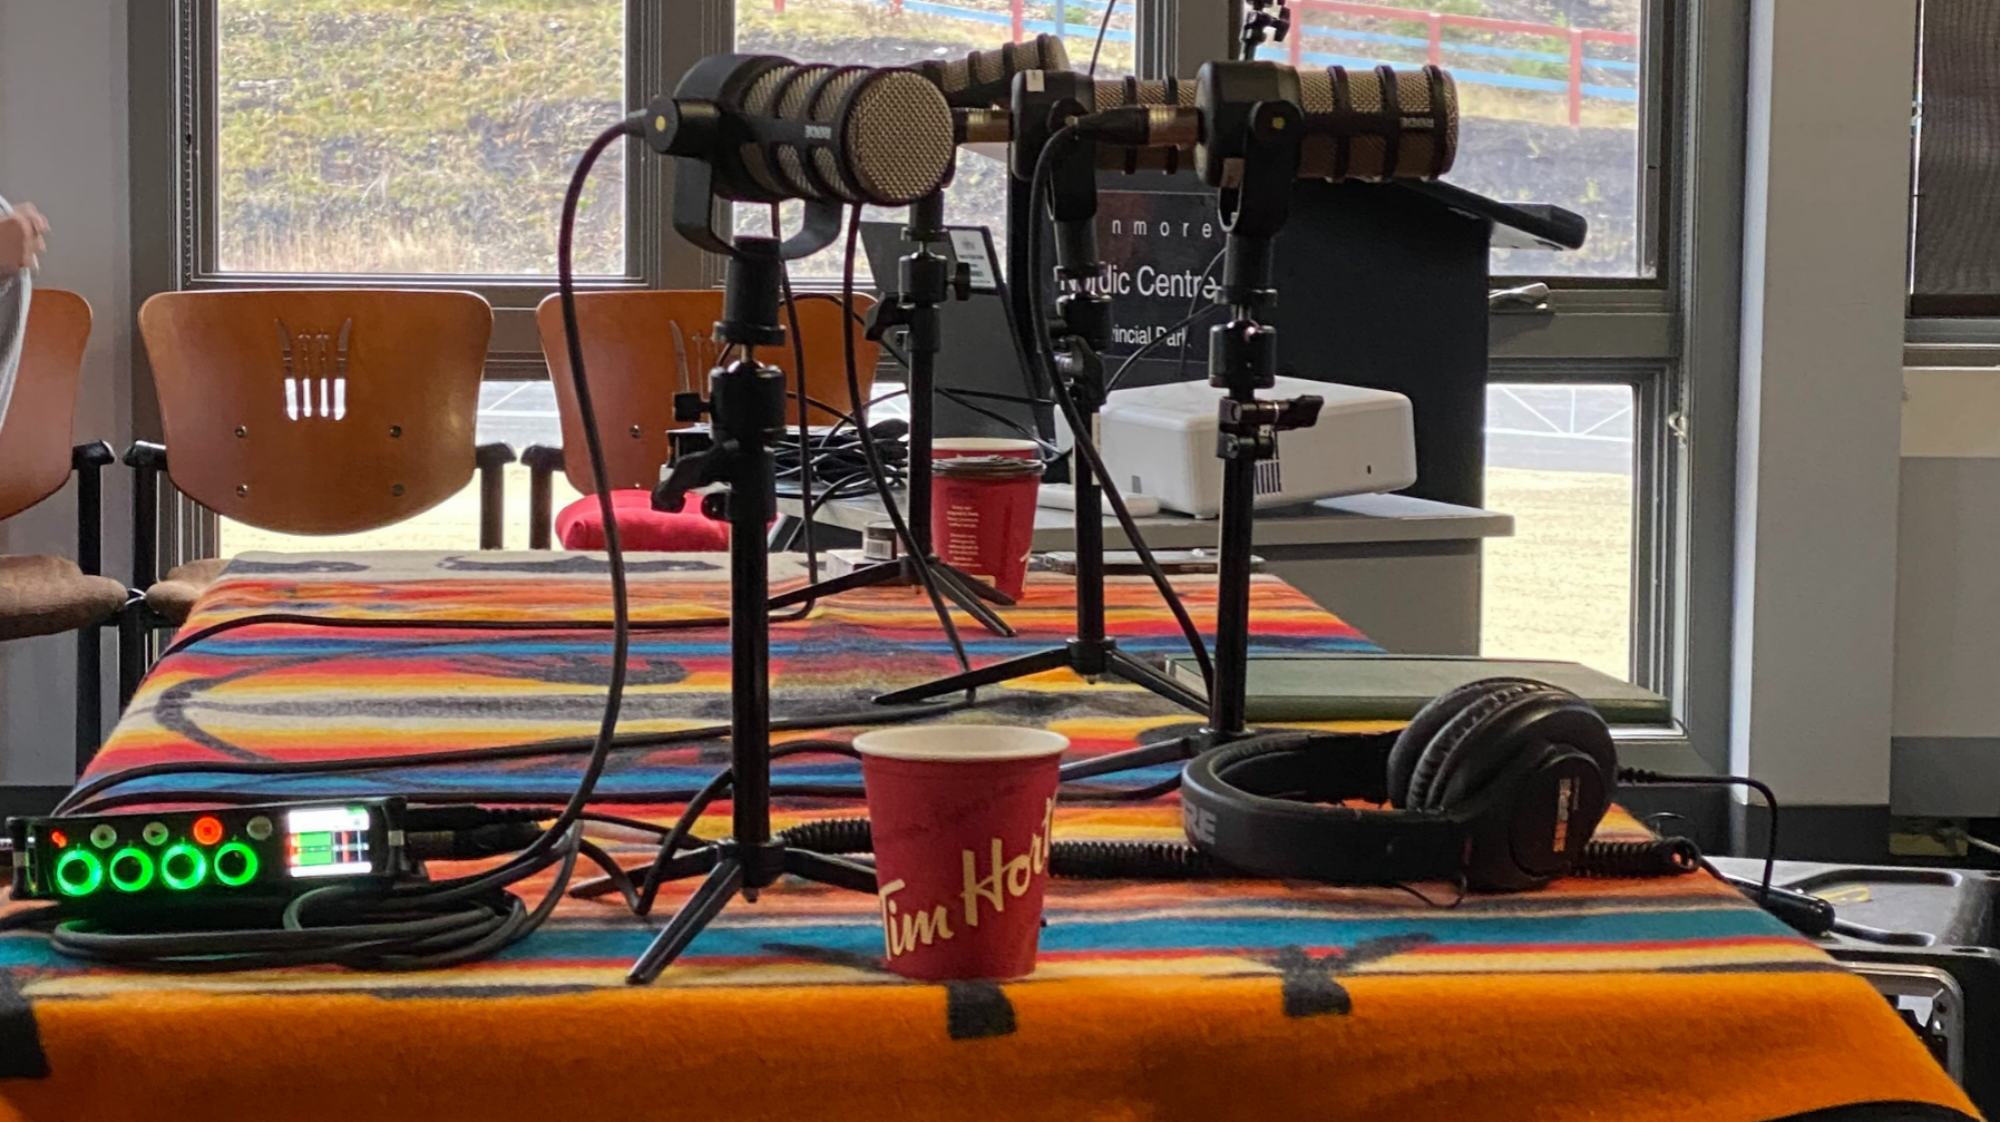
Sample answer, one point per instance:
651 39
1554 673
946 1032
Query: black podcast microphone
1376 124
770 130
984 79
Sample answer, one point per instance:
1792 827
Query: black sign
1157 246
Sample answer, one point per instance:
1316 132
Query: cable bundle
835 466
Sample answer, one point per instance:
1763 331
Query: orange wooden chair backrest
635 370
35 439
318 411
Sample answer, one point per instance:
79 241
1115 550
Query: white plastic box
1160 441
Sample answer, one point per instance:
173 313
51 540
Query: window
903 32
412 142
1549 105
407 137
1955 253
1560 460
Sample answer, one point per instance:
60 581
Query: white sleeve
14 293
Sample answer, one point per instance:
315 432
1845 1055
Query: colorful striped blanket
1199 1000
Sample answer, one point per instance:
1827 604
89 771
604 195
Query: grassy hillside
415 135
436 136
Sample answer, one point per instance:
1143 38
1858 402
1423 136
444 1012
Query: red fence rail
1434 23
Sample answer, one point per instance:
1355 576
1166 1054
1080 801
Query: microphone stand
1082 330
1242 360
747 406
926 282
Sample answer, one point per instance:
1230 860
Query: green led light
79 873
182 867
228 857
123 864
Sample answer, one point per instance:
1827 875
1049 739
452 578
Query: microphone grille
897 136
1117 93
1378 124
758 101
792 106
984 77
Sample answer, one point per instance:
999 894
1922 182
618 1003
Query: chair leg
131 653
89 694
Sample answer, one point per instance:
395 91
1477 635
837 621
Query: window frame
657 50
1673 335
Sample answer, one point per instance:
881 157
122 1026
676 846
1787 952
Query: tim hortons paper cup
961 816
983 516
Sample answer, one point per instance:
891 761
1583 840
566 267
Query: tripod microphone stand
1082 331
926 281
747 406
1242 360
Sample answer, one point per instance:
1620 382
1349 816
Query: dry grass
1560 588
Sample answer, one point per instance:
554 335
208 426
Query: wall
63 146
1826 200
1946 750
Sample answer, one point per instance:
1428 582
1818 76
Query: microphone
984 79
1374 124
1141 125
1379 124
769 129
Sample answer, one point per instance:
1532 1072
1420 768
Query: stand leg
708 901
974 585
836 871
1124 665
962 590
965 591
883 572
1232 608
1051 659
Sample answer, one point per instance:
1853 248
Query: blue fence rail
1438 50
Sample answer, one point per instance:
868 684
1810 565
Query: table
1203 1000
1404 570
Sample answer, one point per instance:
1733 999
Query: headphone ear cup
1476 732
1530 783
1531 720
1417 736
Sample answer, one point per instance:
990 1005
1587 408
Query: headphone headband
1500 782
1228 809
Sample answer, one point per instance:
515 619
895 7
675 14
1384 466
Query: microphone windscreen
884 136
984 79
897 138
1377 124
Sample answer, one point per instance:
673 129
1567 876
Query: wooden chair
637 363
41 595
311 411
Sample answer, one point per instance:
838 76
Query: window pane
902 32
1559 459
1548 95
1956 254
415 136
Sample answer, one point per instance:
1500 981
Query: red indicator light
58 838
207 830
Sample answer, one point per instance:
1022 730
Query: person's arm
23 236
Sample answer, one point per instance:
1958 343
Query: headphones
1500 782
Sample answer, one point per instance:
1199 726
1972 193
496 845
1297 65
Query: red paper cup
952 447
961 816
983 516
